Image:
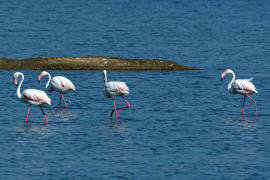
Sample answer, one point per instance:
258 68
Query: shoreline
91 63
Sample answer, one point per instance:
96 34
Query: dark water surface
181 125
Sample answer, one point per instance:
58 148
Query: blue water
181 125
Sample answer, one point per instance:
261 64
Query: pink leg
242 112
114 109
28 110
59 102
64 101
254 103
128 106
46 119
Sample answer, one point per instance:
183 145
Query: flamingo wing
62 84
244 86
36 97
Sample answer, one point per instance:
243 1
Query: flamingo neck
233 79
105 77
49 80
19 86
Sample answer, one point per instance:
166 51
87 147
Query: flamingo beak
222 76
39 77
15 81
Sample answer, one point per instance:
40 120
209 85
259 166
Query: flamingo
241 86
31 96
58 83
115 88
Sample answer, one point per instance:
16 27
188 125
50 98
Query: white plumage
115 88
240 86
36 97
61 84
244 86
31 96
58 83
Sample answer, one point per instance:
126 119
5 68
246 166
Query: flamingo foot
46 119
112 113
242 112
115 114
255 104
64 101
59 104
28 110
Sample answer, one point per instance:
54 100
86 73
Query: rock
91 63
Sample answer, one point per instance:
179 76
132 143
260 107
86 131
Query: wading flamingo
31 96
115 88
241 86
58 83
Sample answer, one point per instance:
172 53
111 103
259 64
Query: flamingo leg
254 103
64 101
58 106
128 106
114 109
28 110
242 112
46 119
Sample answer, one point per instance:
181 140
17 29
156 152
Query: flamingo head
225 72
15 81
39 78
15 77
43 73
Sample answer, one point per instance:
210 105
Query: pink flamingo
58 83
115 88
241 86
31 96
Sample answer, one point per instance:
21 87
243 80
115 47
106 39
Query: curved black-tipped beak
38 81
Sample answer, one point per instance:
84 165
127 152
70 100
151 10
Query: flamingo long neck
105 77
49 80
19 86
233 79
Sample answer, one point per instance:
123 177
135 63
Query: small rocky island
91 63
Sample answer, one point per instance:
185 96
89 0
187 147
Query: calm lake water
181 125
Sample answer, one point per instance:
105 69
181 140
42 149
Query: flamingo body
115 88
59 84
31 96
35 97
241 86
